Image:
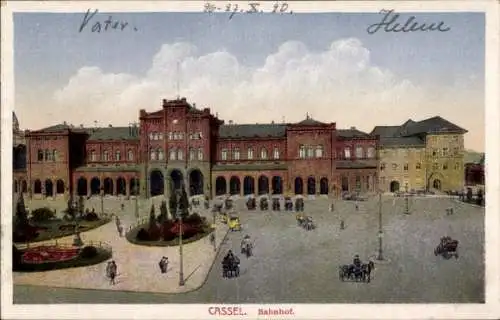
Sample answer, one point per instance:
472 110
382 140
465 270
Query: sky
253 68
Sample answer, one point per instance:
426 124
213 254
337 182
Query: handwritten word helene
390 23
251 7
109 24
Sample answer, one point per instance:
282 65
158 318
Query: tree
173 205
81 206
163 212
152 217
21 214
71 210
184 204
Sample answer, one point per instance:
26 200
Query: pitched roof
55 128
310 122
252 130
385 131
411 128
112 133
351 133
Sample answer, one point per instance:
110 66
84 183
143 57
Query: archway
134 186
59 186
49 188
121 186
311 185
299 186
37 187
156 183
277 185
263 185
196 182
323 186
176 179
108 186
24 186
234 185
436 184
248 185
345 183
220 186
95 186
394 186
81 186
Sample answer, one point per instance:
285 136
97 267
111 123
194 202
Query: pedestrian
342 225
163 264
356 206
123 206
112 270
120 230
331 207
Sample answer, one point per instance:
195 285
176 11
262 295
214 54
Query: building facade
423 155
183 145
474 173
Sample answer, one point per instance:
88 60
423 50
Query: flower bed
188 237
43 254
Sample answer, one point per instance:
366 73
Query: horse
246 248
367 268
230 267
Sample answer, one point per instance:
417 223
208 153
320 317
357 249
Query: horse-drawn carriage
251 203
447 248
264 204
276 204
230 266
305 222
288 204
299 205
233 222
356 272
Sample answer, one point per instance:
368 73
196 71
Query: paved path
292 265
138 268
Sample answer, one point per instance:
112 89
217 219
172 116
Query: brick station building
183 145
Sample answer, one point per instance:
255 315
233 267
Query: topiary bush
88 252
167 233
42 214
91 216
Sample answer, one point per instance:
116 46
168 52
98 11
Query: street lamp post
181 265
407 205
380 232
102 201
213 232
136 192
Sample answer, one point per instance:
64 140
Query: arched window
161 156
236 154
54 155
160 136
180 154
263 153
118 155
302 151
359 153
347 153
276 153
310 152
200 154
130 155
192 155
152 153
170 136
418 166
151 136
223 154
172 154
371 152
40 155
319 151
93 155
48 155
105 155
250 153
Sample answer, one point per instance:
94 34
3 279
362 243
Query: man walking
163 264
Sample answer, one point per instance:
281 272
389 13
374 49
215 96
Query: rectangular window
192 154
382 166
418 166
405 168
445 166
40 155
224 154
302 152
236 154
359 153
276 153
445 152
310 152
347 153
200 154
394 166
250 154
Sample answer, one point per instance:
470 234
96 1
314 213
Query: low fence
65 245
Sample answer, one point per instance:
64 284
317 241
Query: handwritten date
252 7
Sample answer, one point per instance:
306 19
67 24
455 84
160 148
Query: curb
469 204
209 269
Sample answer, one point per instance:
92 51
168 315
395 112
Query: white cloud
340 85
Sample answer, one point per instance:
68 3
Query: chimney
81 126
353 128
65 123
110 125
230 121
183 99
272 122
165 102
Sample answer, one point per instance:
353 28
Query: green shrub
194 219
142 235
42 214
91 216
88 252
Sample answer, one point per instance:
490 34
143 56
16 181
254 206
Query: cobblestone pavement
292 265
138 268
